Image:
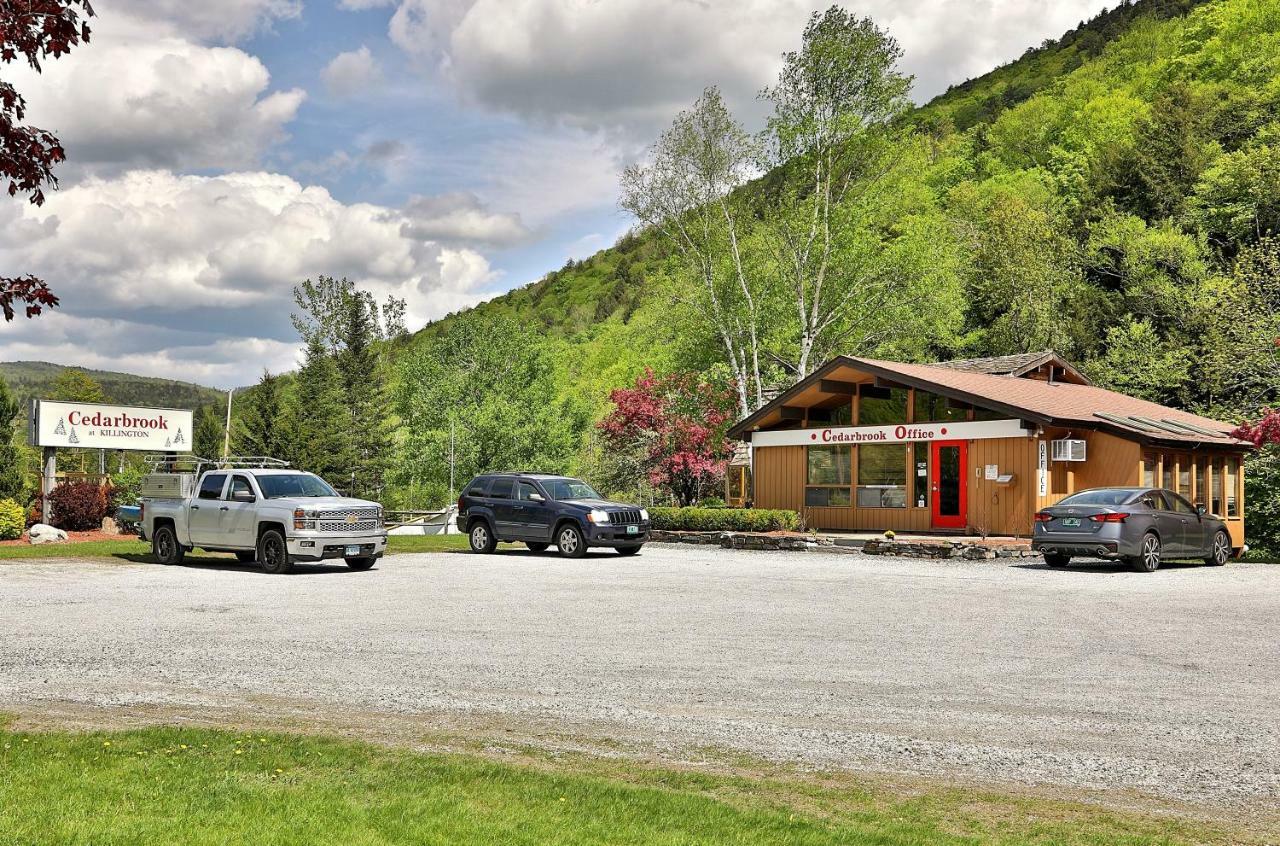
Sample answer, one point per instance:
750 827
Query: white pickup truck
273 515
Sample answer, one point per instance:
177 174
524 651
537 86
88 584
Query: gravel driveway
1164 684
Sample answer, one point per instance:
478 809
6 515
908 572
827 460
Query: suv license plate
632 530
353 550
1071 521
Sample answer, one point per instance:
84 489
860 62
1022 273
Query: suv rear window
502 488
477 487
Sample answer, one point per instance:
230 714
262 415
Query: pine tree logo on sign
61 428
177 439
73 439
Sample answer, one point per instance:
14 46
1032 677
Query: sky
440 151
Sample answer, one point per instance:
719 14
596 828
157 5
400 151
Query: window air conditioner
1068 449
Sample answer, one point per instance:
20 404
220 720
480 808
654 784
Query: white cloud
200 260
352 73
361 5
461 217
138 97
627 66
224 20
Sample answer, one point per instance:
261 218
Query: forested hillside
1109 195
27 379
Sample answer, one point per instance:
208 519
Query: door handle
519 508
195 508
224 508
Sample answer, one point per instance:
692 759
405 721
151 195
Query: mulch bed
73 537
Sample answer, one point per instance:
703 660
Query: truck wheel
359 564
273 553
628 550
481 537
246 557
165 546
1221 550
569 541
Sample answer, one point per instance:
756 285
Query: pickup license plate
633 530
1072 522
352 550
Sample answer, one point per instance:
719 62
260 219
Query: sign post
84 425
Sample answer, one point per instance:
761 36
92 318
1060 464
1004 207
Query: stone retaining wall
796 542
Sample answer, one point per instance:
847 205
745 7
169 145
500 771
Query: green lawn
132 549
196 786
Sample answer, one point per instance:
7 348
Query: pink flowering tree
674 426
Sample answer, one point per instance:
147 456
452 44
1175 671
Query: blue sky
442 151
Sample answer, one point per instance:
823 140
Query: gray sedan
1140 526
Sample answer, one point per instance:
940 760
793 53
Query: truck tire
273 552
165 546
246 557
360 564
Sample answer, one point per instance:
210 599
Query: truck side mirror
243 496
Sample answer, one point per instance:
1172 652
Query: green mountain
34 379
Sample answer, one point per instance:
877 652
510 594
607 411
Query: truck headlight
644 515
302 520
600 518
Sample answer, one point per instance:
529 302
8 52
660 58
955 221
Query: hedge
724 519
13 520
78 506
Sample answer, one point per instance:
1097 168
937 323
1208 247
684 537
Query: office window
1202 482
1232 474
882 476
931 408
1166 481
1215 486
881 406
1149 467
829 475
920 471
1184 475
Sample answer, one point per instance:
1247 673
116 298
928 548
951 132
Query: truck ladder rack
196 464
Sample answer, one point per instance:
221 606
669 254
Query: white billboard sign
962 431
91 426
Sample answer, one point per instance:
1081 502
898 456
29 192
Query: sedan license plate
632 530
353 550
1072 522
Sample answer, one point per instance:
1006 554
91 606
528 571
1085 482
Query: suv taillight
459 505
1118 517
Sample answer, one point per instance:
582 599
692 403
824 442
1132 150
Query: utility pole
451 460
226 433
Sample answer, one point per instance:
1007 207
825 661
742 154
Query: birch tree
686 192
830 136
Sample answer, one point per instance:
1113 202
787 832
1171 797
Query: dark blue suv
540 510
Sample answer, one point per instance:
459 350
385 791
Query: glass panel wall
1149 465
1232 474
920 469
882 476
931 408
1215 486
829 475
881 406
1166 481
1202 481
1184 475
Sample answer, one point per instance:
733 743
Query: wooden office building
974 446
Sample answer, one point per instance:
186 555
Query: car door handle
224 508
519 508
195 508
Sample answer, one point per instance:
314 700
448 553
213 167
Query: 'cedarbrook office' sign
92 426
960 431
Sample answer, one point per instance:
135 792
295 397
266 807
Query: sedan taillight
1118 517
1043 517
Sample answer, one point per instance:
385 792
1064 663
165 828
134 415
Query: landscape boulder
110 526
44 533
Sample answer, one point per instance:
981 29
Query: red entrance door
949 484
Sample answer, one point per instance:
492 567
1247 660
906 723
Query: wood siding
1007 509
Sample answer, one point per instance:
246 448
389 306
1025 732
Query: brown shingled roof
1058 403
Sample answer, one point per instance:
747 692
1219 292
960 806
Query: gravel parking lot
1163 684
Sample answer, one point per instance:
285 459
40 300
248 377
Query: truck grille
340 520
620 518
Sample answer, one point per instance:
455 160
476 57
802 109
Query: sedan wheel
1148 561
1221 551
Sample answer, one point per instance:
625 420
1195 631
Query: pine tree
322 439
207 438
265 427
10 463
364 392
74 385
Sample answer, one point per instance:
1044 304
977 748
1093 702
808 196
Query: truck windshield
294 484
561 489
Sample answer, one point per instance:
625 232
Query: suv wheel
570 542
165 546
273 552
1148 560
482 539
1220 551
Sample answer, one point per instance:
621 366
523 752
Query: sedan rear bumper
1077 549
